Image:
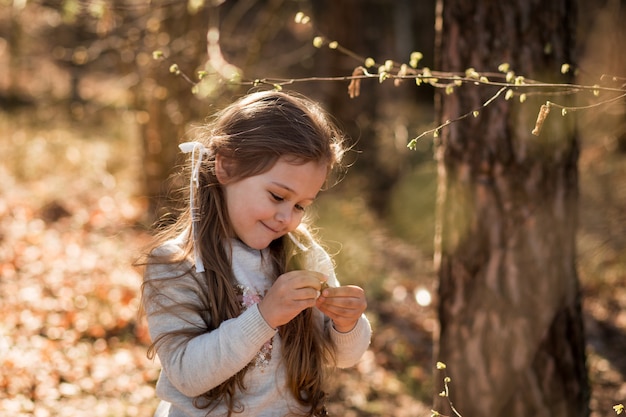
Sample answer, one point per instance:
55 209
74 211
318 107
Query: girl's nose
284 215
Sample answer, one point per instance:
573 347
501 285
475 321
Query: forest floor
71 343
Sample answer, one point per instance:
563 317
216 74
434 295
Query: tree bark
510 317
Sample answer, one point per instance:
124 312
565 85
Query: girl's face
264 207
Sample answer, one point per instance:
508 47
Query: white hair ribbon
198 151
297 242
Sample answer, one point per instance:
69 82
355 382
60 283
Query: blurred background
90 120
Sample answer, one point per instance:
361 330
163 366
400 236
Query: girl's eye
280 199
277 197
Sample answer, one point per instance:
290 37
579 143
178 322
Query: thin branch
590 106
413 143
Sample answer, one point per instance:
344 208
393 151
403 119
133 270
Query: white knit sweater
202 363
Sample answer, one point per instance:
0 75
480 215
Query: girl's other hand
344 305
291 293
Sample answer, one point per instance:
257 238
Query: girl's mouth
270 229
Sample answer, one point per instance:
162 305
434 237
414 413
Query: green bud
174 69
416 57
471 73
301 18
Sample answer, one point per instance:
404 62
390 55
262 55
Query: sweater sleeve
352 345
194 365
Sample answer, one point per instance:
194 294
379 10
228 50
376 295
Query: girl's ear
222 168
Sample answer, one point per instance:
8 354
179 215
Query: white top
194 367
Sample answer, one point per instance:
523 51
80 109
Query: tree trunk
511 328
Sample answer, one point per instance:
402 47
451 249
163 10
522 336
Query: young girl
243 307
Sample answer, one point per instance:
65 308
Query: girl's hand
344 305
291 293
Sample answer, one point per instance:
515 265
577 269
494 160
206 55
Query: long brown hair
252 134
